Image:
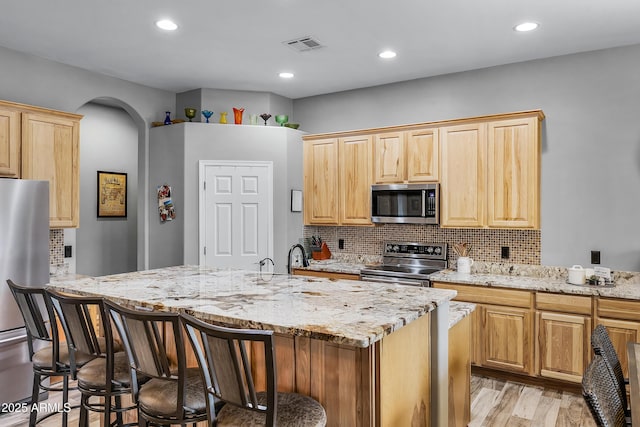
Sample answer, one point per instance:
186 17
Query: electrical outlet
340 243
505 252
595 257
67 251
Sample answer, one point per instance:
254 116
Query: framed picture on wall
112 194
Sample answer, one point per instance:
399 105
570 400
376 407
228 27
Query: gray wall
108 142
32 80
591 139
198 141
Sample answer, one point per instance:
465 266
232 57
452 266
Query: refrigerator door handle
13 339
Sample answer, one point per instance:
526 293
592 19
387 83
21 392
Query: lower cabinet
506 338
622 320
564 328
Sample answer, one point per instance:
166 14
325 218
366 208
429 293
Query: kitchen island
372 354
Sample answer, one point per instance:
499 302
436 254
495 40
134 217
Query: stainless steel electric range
408 263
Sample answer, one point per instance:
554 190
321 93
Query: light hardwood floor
494 403
499 403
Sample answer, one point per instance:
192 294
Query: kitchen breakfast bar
372 354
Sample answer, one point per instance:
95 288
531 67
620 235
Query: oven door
424 283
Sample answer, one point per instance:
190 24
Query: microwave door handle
424 201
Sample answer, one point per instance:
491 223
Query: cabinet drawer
618 309
564 303
486 295
325 274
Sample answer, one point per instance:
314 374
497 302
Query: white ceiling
238 44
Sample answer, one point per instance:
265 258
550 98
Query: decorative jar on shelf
237 115
223 117
167 118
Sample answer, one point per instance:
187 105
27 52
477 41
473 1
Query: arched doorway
113 139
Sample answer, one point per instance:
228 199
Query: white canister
464 264
576 275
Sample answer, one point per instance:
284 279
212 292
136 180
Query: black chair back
602 345
601 395
40 326
222 356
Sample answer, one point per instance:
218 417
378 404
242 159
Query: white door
236 214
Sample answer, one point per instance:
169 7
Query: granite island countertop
342 311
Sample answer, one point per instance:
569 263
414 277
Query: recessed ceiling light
526 26
286 75
387 54
166 24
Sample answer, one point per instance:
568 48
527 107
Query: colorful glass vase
167 118
223 117
207 114
237 115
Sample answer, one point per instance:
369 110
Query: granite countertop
458 311
342 311
624 288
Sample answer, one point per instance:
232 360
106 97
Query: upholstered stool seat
293 410
42 358
158 394
93 375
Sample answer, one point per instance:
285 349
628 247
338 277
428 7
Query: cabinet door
355 180
621 332
9 143
423 155
462 184
507 333
321 181
50 151
513 152
389 158
563 345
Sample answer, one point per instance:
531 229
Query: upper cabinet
42 144
488 169
406 157
9 142
491 173
337 181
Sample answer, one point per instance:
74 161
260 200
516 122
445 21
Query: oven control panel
417 250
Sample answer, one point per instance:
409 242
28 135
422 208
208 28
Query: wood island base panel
372 354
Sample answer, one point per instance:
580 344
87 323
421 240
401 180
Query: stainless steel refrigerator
24 258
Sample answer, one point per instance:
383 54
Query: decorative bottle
167 119
223 117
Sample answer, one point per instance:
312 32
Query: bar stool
107 375
49 355
173 394
227 373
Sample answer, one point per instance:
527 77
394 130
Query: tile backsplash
364 242
56 247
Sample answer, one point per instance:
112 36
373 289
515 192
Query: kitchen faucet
305 262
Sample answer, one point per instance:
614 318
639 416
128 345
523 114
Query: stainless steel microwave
405 203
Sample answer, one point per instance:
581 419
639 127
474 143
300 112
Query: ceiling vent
304 44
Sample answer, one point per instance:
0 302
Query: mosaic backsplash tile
362 244
56 247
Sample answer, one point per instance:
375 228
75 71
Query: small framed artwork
112 194
296 200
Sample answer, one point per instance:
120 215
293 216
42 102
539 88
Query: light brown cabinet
564 328
406 157
50 151
491 173
337 181
9 142
42 144
502 327
622 320
462 184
